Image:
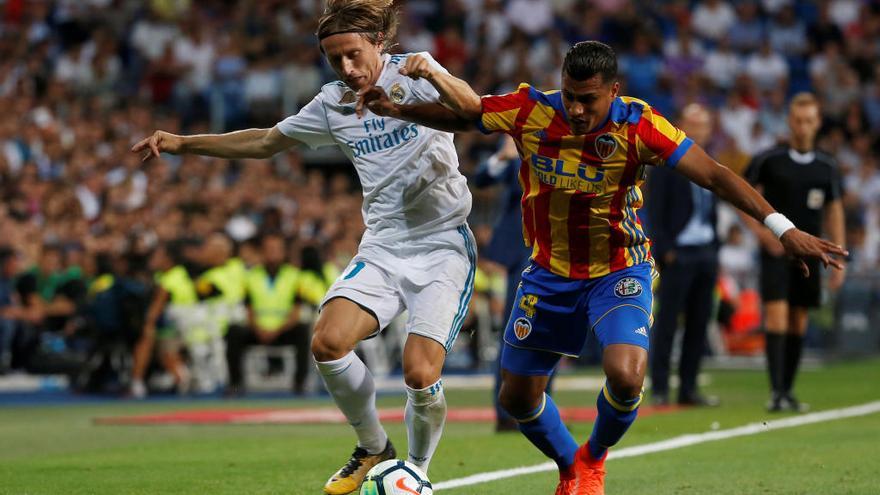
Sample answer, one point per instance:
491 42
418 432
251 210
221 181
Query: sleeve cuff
481 127
679 152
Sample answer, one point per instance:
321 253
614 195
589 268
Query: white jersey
409 173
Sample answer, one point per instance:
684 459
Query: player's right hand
801 245
416 67
159 142
375 100
770 243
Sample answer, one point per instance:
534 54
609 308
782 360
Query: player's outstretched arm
433 115
249 143
454 92
699 167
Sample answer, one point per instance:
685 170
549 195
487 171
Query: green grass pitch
59 450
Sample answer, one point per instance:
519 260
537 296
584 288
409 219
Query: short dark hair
588 58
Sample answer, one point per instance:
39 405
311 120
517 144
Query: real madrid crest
348 97
397 93
606 145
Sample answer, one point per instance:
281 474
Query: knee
626 379
517 403
420 377
327 345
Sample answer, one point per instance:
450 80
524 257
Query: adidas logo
642 331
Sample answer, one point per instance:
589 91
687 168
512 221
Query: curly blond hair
375 19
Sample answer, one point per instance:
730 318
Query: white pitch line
677 443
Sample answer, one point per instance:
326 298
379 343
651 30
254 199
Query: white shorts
431 277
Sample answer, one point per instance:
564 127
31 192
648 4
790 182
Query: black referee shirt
798 185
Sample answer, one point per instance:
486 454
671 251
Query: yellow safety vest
331 273
236 276
227 281
179 286
272 299
182 293
313 287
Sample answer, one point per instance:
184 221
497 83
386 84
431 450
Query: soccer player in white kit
417 253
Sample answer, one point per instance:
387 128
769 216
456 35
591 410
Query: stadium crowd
87 228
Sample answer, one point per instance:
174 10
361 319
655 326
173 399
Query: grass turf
58 450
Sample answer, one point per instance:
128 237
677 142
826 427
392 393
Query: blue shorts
552 315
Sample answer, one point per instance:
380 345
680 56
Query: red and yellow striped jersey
580 193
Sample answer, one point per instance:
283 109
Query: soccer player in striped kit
584 151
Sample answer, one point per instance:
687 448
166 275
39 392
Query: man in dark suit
506 247
682 222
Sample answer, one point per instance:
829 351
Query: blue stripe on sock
627 402
534 413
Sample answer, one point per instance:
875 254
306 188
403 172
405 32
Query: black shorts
782 279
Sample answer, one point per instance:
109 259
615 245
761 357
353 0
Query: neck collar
802 158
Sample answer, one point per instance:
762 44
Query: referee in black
803 184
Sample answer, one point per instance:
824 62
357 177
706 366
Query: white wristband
778 224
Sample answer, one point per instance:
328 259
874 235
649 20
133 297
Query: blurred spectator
272 299
737 259
684 54
747 33
823 30
682 223
533 17
712 19
642 68
150 35
787 35
723 65
773 114
844 13
767 68
8 305
738 121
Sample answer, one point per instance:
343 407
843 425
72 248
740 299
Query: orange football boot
590 473
567 482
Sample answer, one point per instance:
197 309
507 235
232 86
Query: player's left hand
376 100
417 67
801 246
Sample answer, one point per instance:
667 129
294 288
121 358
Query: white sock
425 416
138 389
351 384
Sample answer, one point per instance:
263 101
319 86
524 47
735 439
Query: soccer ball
396 477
